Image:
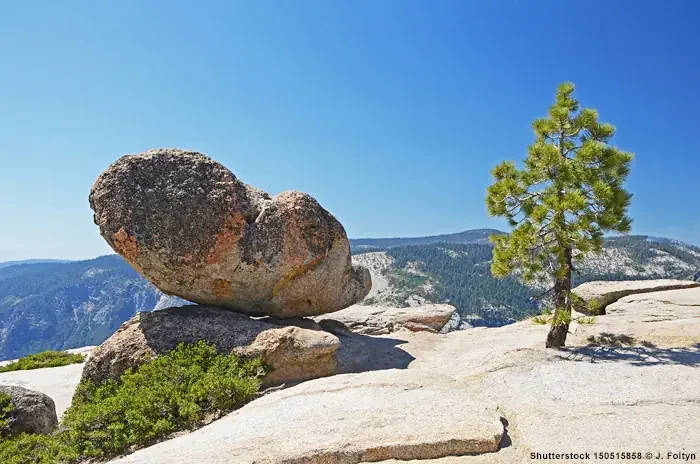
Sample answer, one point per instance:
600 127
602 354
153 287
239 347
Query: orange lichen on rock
126 245
222 288
296 273
295 249
228 239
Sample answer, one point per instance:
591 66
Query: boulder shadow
608 346
362 353
357 352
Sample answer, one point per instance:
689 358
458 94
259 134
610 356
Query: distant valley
58 305
52 305
455 269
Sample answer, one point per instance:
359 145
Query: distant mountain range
49 304
473 236
31 261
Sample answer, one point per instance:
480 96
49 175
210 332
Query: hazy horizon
112 252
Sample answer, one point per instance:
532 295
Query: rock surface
34 412
625 395
376 320
342 419
295 353
669 318
598 295
57 382
582 398
192 228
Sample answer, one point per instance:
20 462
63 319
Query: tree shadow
505 439
608 346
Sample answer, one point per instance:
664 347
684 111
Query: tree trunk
562 304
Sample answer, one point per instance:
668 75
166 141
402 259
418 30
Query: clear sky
390 113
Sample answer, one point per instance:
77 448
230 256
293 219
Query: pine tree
559 205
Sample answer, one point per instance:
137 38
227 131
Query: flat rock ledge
598 295
379 320
366 418
670 318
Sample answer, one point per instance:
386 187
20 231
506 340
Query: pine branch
573 269
543 294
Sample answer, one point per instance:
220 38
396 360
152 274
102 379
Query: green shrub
177 391
44 359
36 449
173 392
6 408
29 448
594 307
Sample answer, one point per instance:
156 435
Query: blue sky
391 113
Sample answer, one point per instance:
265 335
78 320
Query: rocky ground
628 383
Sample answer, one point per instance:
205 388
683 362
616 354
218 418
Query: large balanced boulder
377 320
597 295
192 228
32 411
295 353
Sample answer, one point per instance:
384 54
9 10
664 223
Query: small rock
34 412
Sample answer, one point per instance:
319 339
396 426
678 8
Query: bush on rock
29 448
44 359
6 408
177 391
172 392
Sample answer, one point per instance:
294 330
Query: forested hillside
464 280
66 305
